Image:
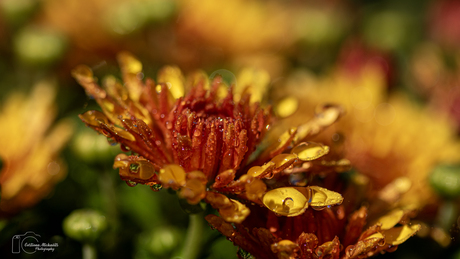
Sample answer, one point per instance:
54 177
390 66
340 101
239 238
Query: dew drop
308 151
112 141
134 168
131 183
156 187
288 201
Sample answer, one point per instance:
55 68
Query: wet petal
134 168
287 201
236 213
321 197
172 176
391 219
255 189
261 171
329 249
285 249
364 246
308 151
282 161
328 114
193 191
123 133
93 118
399 235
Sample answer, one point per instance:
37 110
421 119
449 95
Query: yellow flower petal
172 176
391 219
321 197
308 151
287 201
399 235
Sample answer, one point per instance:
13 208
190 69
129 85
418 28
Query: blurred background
394 65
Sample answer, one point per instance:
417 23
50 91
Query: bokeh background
395 66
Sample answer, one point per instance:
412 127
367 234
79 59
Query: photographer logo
30 243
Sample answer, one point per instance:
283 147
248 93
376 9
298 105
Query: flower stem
193 240
89 251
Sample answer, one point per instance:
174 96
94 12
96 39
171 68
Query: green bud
160 241
84 225
92 147
39 45
445 180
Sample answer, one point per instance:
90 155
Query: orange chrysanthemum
275 199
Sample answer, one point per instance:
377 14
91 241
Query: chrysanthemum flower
30 148
277 199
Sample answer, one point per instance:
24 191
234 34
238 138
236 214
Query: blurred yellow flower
388 138
30 149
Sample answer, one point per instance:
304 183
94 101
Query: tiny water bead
156 187
131 183
288 201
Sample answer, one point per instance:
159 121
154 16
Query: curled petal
325 116
390 219
136 169
322 197
368 245
308 243
172 176
399 235
261 171
255 189
329 249
236 213
285 249
193 191
229 209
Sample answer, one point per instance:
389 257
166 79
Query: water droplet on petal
398 235
327 114
134 168
256 171
172 176
156 187
112 141
131 183
320 197
287 201
283 160
308 151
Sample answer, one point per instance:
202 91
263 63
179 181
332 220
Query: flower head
277 198
31 166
